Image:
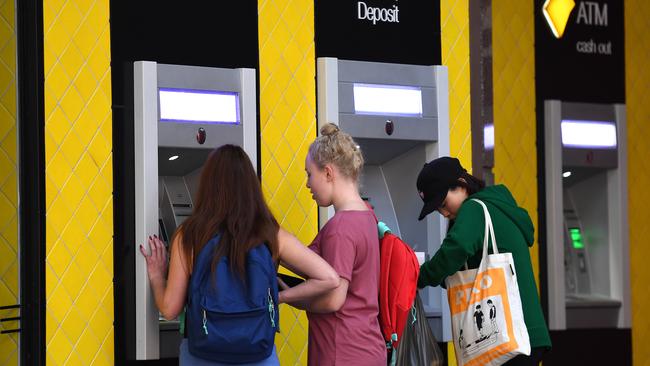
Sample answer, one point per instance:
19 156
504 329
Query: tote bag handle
489 230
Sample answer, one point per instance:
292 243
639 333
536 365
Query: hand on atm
156 258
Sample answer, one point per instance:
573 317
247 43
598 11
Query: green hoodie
514 232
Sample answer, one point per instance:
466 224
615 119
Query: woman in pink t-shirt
343 324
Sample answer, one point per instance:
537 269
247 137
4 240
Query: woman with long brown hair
232 222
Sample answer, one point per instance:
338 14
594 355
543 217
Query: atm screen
198 106
576 238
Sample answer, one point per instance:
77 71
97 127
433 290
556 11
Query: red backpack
397 286
398 279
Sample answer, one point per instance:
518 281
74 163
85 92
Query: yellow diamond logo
557 14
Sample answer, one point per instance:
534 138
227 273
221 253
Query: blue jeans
187 359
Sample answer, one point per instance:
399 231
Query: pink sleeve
340 252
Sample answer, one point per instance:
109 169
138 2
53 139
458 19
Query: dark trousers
536 355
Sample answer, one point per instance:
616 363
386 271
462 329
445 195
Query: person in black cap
445 186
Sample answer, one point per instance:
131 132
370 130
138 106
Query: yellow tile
8 256
99 106
51 277
105 358
101 322
100 279
74 360
58 81
99 149
70 18
107 256
283 155
272 134
86 82
58 215
270 54
73 324
107 301
9 98
73 280
57 125
87 258
10 232
296 174
283 198
98 15
9 345
100 236
106 129
87 301
71 61
51 326
50 359
107 214
87 214
86 170
58 259
88 346
7 209
72 104
73 191
295 218
60 348
59 304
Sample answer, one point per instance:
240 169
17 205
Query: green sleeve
463 240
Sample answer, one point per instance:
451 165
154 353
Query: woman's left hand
157 259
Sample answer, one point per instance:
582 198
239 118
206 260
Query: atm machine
587 203
399 116
181 114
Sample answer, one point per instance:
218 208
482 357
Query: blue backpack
230 320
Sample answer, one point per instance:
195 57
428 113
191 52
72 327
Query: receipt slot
181 113
399 116
586 209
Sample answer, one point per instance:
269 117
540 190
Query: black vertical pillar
31 147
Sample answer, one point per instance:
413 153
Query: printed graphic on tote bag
480 314
480 331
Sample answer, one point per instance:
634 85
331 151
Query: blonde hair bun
329 129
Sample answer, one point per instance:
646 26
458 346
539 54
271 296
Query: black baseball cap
434 181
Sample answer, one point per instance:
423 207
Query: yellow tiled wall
454 24
288 125
9 260
515 152
454 27
637 75
78 182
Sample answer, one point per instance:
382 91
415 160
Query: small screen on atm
576 238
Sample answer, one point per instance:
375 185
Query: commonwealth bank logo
557 14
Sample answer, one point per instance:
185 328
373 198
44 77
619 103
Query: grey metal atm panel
586 196
416 128
183 134
155 142
393 160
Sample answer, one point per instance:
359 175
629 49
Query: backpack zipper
271 309
205 321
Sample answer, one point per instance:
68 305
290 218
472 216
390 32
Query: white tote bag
486 316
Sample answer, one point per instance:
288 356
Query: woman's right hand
320 277
157 258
